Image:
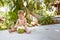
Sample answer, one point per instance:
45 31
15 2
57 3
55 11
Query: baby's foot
12 30
28 32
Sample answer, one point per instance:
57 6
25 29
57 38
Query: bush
45 20
3 26
0 28
28 20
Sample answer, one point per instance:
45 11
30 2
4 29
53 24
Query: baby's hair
20 11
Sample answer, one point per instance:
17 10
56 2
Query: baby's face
20 15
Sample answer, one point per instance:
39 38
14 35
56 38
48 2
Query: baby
21 22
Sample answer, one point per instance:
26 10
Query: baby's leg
27 30
12 29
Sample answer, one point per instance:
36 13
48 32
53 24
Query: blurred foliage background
36 8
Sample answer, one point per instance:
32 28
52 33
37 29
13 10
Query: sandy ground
47 32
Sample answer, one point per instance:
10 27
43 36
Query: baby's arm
26 29
16 23
25 22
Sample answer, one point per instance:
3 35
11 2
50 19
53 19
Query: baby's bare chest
21 21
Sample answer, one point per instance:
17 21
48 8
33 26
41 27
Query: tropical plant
48 2
45 20
31 7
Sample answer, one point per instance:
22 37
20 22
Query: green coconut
20 31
